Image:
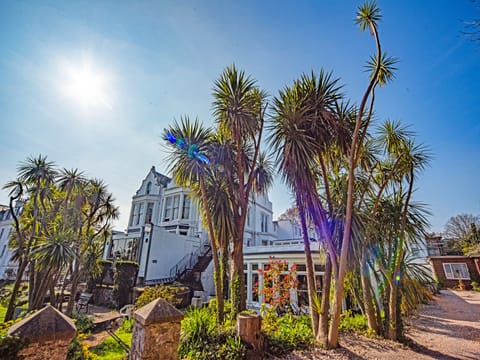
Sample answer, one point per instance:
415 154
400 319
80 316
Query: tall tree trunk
218 286
312 291
73 290
237 276
42 287
224 268
237 279
16 287
352 164
216 262
386 307
367 294
322 335
31 284
53 296
392 309
62 291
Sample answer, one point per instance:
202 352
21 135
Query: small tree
278 281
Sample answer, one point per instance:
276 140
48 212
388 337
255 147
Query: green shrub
286 333
124 280
166 292
9 347
227 306
83 322
356 323
201 338
475 286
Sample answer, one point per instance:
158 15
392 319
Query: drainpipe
148 226
139 251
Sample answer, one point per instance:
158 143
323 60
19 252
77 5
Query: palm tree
37 175
368 16
304 126
52 254
239 109
187 139
97 211
381 203
414 159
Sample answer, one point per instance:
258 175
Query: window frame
186 207
452 273
264 218
167 211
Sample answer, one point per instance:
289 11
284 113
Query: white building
166 237
8 268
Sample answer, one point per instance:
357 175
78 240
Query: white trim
456 271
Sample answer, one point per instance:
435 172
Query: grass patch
109 349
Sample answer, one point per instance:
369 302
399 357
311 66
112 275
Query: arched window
149 187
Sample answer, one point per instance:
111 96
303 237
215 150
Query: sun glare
86 85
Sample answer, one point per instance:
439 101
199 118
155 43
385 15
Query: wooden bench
83 301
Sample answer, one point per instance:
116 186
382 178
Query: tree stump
249 329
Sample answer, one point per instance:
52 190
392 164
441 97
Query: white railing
280 245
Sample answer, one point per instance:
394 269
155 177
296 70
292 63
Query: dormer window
149 188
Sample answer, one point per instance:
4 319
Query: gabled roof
161 179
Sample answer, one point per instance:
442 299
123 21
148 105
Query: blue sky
153 61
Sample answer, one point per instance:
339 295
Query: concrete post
156 332
48 333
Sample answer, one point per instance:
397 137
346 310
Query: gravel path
449 328
446 329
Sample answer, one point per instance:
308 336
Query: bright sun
86 85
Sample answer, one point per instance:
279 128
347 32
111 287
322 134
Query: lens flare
192 150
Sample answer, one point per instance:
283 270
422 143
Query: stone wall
103 296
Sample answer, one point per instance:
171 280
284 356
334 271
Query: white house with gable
166 237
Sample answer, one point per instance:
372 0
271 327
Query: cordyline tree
387 224
190 166
304 126
61 231
239 109
315 132
225 167
367 18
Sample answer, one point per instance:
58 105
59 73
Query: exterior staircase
184 271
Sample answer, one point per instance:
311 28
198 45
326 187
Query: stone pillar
156 333
47 332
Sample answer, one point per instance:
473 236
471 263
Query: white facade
165 231
8 268
165 228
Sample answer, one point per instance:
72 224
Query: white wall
166 250
6 227
207 280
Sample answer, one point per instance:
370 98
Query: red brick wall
437 264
